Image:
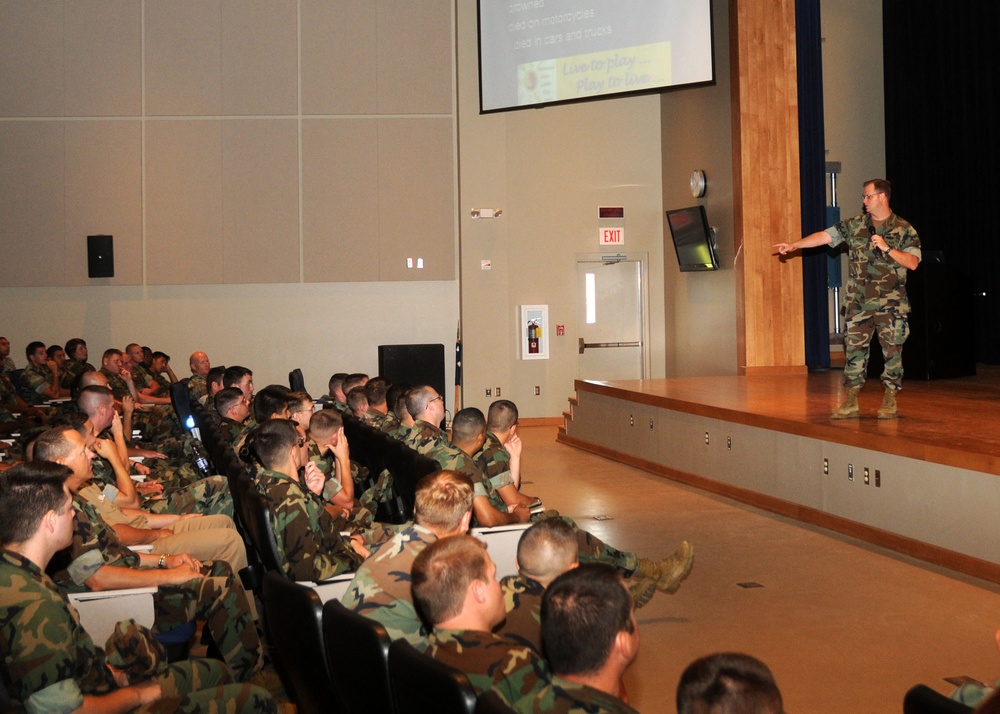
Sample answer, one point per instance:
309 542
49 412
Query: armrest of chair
332 588
502 542
147 548
101 611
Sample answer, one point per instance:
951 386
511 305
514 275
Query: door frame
640 257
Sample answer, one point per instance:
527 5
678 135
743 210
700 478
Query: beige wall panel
259 57
31 58
415 50
416 198
104 196
184 203
340 202
260 205
183 57
103 58
338 57
31 203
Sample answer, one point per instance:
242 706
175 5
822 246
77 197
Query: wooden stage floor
952 422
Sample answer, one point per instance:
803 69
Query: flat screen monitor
692 239
539 52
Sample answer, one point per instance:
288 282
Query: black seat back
421 684
921 699
357 650
296 381
294 616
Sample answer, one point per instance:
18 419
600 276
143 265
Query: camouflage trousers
595 550
220 600
209 496
206 686
893 329
157 423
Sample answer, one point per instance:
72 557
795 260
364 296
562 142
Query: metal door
612 341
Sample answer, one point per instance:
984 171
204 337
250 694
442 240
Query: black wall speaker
100 257
413 365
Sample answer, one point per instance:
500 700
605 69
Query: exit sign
612 236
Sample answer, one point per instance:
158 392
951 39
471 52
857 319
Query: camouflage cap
133 649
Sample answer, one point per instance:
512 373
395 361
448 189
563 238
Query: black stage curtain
941 116
812 173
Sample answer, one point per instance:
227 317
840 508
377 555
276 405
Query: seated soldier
590 637
489 509
546 550
300 408
399 422
330 452
381 587
76 362
335 393
500 457
233 409
728 683
203 537
186 589
159 368
456 591
13 404
305 530
197 385
357 402
41 379
375 392
58 355
6 363
50 662
240 378
214 379
142 378
208 496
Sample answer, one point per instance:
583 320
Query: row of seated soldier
324 523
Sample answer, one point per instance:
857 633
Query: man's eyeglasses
869 195
436 398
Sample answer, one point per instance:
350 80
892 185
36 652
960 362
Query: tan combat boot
849 409
888 408
676 568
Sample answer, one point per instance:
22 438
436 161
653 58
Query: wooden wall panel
766 185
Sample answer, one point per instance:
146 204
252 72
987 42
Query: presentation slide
543 51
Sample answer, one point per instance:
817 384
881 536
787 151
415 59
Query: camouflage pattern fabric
217 597
117 385
375 419
71 370
8 392
51 662
209 496
8 365
494 460
305 531
141 377
522 597
390 423
875 297
234 432
197 387
34 381
46 651
163 381
561 696
132 648
490 662
381 587
423 437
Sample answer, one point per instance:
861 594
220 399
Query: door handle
598 345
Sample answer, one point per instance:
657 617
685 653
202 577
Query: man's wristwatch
888 249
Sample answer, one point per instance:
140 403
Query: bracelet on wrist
163 562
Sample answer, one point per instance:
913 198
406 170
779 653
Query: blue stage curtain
812 172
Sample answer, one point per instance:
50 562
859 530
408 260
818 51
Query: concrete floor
844 626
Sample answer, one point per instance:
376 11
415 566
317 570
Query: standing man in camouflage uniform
881 248
591 637
455 587
381 587
50 662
